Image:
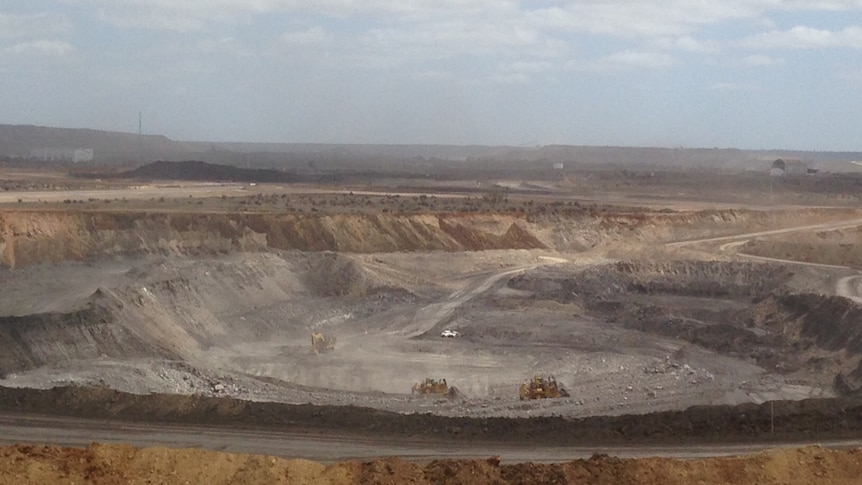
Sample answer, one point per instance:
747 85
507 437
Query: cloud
834 5
432 75
394 32
519 72
801 37
530 67
155 20
312 35
453 41
489 36
648 18
453 36
623 18
687 43
48 48
224 46
733 87
510 78
852 76
758 60
39 25
337 8
624 61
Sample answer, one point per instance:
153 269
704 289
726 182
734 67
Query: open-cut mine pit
639 312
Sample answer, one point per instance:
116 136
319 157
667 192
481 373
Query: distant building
788 167
558 166
74 155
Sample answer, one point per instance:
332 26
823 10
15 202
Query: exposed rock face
743 309
32 237
825 332
52 236
178 306
91 333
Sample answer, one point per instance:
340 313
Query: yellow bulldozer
434 387
540 387
322 343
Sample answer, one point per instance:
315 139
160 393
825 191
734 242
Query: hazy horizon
744 74
465 145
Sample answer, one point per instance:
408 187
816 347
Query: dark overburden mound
687 278
814 419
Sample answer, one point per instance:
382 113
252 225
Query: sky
754 74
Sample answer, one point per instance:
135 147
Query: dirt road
826 226
141 193
182 190
847 287
429 316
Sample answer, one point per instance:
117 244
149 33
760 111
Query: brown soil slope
32 238
100 464
838 247
37 236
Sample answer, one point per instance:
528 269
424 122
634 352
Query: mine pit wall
807 332
33 237
44 339
28 238
838 248
150 320
832 323
703 278
734 280
171 317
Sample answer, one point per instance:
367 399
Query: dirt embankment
90 333
174 309
105 464
815 419
32 237
169 309
839 247
35 237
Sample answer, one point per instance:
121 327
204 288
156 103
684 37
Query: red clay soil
118 464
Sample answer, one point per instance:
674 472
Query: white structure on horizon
788 167
74 155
